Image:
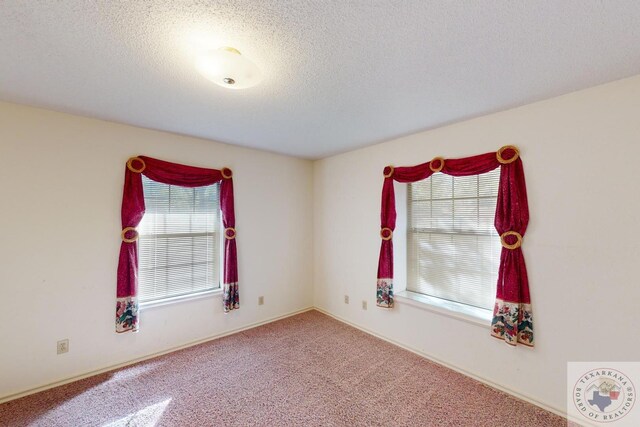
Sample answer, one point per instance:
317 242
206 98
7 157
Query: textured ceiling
338 74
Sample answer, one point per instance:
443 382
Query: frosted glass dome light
228 68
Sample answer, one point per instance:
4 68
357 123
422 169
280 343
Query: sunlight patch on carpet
147 417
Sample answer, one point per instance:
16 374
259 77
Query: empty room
319 213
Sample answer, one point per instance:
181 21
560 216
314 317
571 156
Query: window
179 243
453 249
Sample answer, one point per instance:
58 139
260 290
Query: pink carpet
306 370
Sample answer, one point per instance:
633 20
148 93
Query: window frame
213 292
465 312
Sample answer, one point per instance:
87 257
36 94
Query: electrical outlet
346 299
63 346
364 304
261 300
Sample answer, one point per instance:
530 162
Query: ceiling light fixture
228 68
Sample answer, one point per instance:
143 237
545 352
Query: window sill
159 303
474 315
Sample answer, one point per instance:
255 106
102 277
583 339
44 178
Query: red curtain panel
512 316
133 209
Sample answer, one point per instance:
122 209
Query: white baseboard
149 356
490 383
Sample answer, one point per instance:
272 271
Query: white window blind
179 241
453 248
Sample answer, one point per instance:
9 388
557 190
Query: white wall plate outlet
63 346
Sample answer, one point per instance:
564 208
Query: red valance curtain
133 209
512 316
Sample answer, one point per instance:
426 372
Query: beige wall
581 154
61 179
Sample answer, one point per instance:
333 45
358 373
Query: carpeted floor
306 370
